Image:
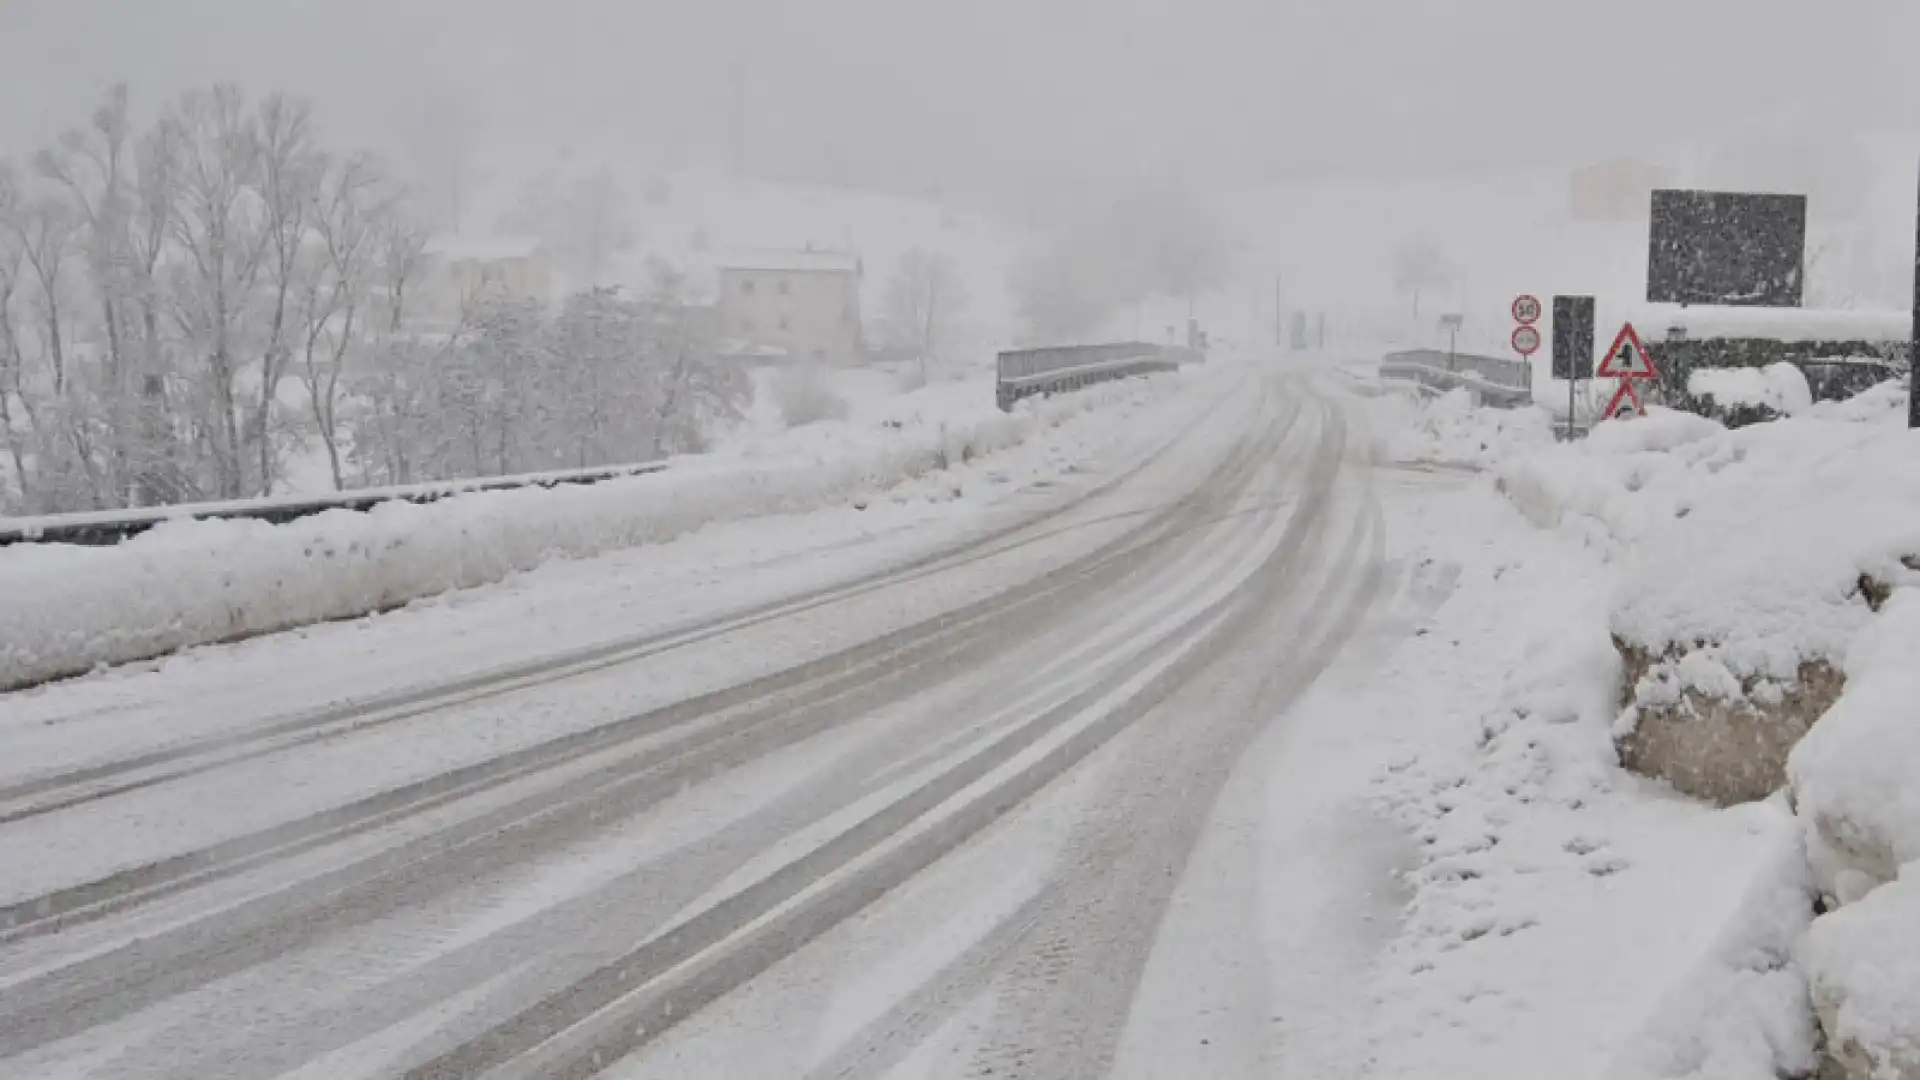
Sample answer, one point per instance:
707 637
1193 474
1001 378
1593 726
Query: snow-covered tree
582 217
924 302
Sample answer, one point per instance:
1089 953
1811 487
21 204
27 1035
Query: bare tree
347 219
90 168
12 355
219 227
288 177
924 299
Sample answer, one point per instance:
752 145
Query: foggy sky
994 100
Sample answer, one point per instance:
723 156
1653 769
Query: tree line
190 307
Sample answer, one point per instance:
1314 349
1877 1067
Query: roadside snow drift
70 609
1771 576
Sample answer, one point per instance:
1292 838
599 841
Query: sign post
1453 323
1627 360
1572 345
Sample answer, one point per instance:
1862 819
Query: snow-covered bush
1751 393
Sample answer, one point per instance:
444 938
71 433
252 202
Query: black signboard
1718 247
1573 337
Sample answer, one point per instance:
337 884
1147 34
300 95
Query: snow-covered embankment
70 609
1766 615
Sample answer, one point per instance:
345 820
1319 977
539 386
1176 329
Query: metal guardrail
1026 372
1497 382
107 527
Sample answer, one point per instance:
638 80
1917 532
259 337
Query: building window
746 287
783 288
783 325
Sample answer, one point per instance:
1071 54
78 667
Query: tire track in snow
631 1001
42 1009
48 794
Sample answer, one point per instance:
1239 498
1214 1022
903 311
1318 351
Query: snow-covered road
917 805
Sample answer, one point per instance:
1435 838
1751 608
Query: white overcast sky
987 97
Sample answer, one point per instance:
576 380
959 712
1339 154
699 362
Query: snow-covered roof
1780 324
488 247
836 262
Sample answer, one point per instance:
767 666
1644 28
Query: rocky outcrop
1726 749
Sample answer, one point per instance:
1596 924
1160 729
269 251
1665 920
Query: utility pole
1913 346
1279 315
739 117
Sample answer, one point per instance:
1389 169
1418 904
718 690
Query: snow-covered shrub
1742 396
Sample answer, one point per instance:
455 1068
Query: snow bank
1555 896
1781 388
70 609
1742 1012
1864 963
1745 550
1854 776
1768 576
1448 429
1772 531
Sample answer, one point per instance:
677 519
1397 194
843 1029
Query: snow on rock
1854 776
1781 388
1742 1012
1750 559
70 609
1738 610
1864 965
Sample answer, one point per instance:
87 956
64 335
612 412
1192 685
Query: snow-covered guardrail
112 526
1025 372
1502 383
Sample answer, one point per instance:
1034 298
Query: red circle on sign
1526 340
1526 310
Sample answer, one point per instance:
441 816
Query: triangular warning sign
1626 358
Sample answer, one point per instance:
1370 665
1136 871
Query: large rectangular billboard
1718 247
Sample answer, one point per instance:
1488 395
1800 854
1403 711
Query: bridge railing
1497 382
1026 372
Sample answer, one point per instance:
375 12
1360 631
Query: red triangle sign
1626 358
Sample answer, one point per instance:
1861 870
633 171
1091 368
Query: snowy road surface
957 815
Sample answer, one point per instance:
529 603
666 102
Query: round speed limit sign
1526 310
1526 340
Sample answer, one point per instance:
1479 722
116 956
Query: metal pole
1913 346
1279 316
1570 384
